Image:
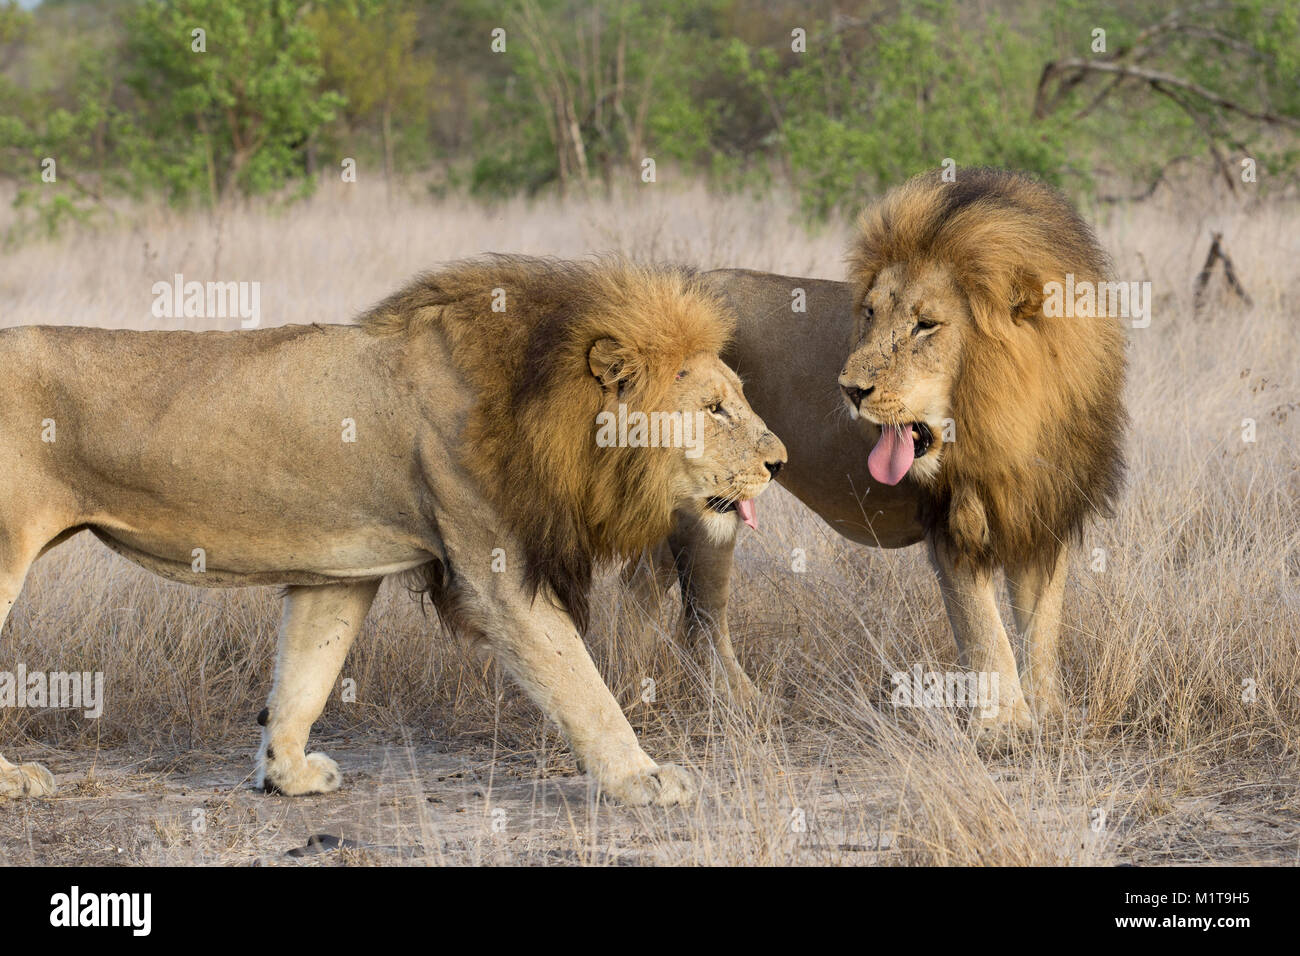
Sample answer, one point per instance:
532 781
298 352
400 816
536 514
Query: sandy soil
426 803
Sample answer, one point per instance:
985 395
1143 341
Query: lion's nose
774 454
855 395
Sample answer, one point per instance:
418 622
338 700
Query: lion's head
1011 420
602 406
727 455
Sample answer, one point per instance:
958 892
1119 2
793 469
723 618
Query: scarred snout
857 385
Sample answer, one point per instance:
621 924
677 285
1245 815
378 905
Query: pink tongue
892 456
748 512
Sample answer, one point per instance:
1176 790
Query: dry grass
1200 593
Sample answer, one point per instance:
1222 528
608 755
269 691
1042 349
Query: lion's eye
870 311
924 325
716 408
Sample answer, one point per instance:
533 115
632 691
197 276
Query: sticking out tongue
748 512
892 456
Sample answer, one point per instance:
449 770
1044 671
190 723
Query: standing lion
453 433
1008 417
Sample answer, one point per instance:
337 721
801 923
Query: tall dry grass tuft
1181 650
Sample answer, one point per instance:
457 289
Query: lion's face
910 326
720 454
736 456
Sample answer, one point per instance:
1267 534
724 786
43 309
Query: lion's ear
608 362
1026 297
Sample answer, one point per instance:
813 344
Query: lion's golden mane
1037 400
531 434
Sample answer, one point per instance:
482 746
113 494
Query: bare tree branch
1076 67
1151 189
1206 130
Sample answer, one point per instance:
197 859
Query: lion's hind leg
30 779
16 556
318 626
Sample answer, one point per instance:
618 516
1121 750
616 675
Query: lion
994 431
1007 415
453 427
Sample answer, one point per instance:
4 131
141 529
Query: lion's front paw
736 687
666 785
29 780
1048 706
316 773
1005 731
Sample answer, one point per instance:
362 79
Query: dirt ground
431 803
